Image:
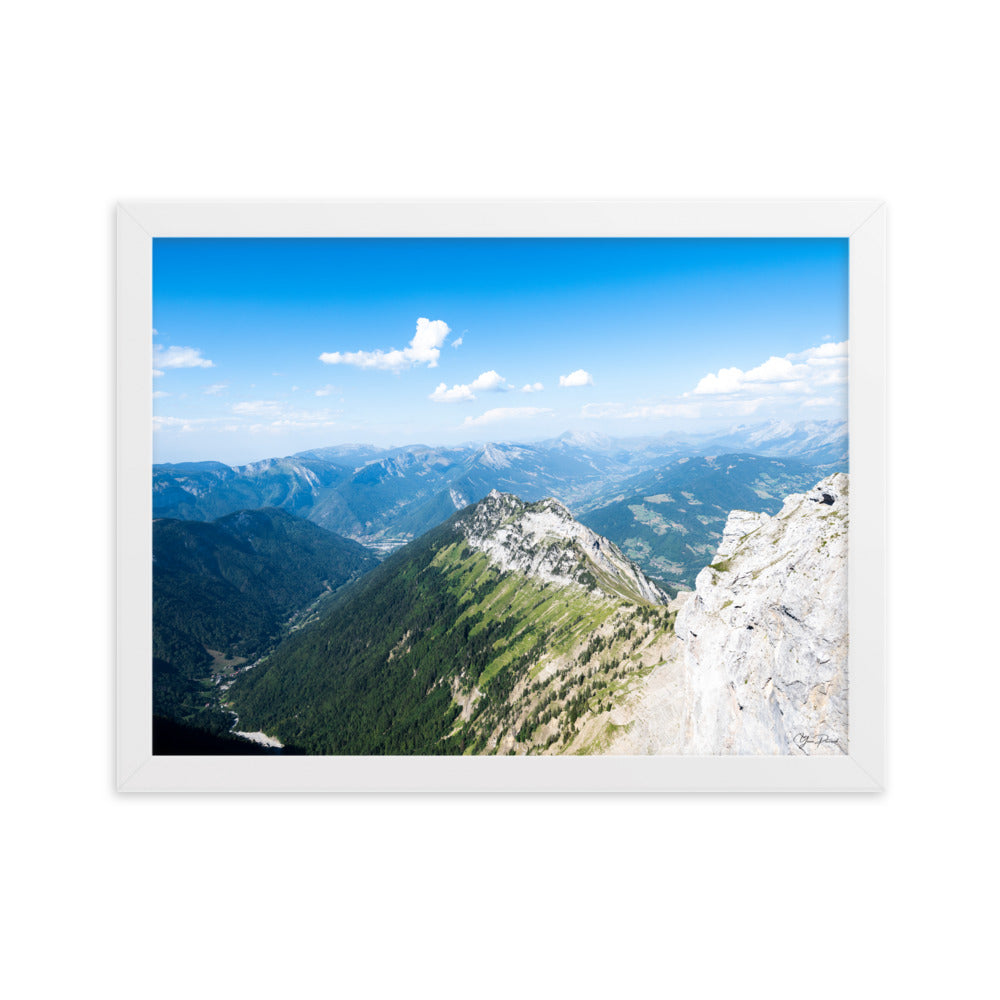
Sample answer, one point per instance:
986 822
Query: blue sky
265 347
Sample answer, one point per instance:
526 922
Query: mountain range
384 498
513 599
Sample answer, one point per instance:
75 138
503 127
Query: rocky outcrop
544 541
765 632
758 664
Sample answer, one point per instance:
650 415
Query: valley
225 592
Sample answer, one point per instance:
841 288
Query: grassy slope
438 652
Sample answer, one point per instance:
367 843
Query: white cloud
490 381
159 394
280 417
423 349
214 390
327 390
179 357
304 420
457 343
504 413
579 377
258 408
797 374
820 401
181 423
456 394
532 387
629 411
838 350
157 373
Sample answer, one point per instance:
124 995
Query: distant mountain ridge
384 497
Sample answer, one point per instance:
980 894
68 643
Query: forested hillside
441 650
222 592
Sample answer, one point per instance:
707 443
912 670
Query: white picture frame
862 769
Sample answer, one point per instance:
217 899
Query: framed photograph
501 496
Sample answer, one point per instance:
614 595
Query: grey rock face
544 541
765 636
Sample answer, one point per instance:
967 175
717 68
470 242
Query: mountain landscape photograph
500 496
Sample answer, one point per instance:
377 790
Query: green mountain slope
443 649
222 592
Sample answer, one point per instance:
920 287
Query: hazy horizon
505 441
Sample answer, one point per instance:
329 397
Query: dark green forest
231 586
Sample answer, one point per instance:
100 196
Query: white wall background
808 896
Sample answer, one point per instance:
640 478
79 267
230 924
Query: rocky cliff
759 664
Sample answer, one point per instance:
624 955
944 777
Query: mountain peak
544 541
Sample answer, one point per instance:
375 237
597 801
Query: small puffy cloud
532 387
457 342
157 373
504 413
214 390
159 394
179 357
327 390
490 381
579 377
423 349
456 394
